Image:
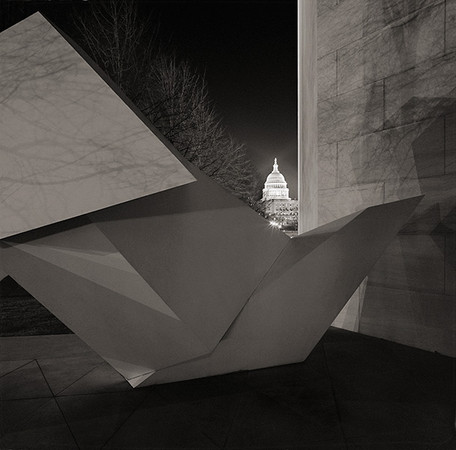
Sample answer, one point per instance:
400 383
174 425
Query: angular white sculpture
166 275
69 143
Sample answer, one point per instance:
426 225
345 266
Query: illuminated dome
275 187
275 178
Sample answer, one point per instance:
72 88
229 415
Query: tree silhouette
171 94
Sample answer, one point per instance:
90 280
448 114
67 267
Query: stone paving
352 393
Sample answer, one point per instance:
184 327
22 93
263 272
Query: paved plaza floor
352 393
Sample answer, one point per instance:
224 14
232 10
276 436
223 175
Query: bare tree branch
169 92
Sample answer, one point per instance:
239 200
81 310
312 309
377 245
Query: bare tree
176 100
169 92
113 35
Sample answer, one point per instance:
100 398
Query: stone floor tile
46 429
61 373
401 446
25 382
157 424
214 415
301 374
94 418
265 422
386 422
103 378
9 366
14 412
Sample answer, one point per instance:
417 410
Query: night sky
248 52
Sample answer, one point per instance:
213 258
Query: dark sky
248 51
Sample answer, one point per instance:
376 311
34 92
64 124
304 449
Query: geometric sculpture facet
69 144
204 252
161 271
97 294
301 294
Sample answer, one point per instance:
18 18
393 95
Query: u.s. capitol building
279 208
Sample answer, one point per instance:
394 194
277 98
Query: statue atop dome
275 166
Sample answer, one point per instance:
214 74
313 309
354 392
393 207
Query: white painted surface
69 144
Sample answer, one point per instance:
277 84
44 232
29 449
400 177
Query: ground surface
352 393
22 315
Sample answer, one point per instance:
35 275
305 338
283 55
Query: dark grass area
22 315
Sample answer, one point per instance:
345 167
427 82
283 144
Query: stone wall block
340 202
326 6
417 319
352 114
411 151
398 47
450 26
388 314
339 25
412 262
327 166
450 264
436 213
379 14
450 143
428 90
327 82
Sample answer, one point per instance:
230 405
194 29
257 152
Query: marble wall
307 116
387 131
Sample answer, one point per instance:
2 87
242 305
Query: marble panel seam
358 88
388 128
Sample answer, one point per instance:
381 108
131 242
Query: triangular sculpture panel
300 296
69 144
162 272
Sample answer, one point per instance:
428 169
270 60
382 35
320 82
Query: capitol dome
275 187
275 178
